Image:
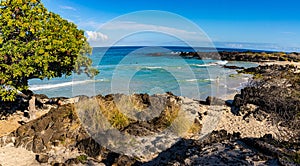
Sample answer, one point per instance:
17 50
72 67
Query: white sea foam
221 62
59 85
175 53
191 80
204 65
211 64
152 67
210 79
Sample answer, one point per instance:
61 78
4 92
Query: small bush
82 158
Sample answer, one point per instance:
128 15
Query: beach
149 83
280 63
222 127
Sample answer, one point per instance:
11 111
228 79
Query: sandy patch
11 156
280 63
9 125
253 128
12 122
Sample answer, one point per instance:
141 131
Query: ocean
152 70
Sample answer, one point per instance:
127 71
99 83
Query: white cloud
70 20
257 46
68 8
96 36
90 24
118 30
137 33
134 26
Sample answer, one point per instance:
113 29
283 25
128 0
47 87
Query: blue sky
258 24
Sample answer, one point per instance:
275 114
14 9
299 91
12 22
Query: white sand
11 156
280 63
253 128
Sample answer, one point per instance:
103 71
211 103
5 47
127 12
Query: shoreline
238 89
249 128
279 63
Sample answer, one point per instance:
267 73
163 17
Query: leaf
36 43
41 51
22 34
19 2
48 47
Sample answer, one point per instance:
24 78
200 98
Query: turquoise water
148 70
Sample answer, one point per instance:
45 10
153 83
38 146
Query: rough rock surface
60 135
275 92
60 138
243 56
214 101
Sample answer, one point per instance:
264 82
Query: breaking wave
64 84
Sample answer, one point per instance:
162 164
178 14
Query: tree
36 43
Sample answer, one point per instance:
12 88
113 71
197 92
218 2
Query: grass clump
112 113
82 158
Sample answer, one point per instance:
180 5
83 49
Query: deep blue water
148 70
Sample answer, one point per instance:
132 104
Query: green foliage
82 158
36 43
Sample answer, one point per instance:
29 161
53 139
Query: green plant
112 113
36 43
82 158
258 76
119 120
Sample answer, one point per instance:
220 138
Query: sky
256 24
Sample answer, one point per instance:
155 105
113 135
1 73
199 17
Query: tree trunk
31 107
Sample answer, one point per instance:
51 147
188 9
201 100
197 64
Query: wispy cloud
134 26
68 8
136 33
257 46
118 30
96 36
90 24
70 20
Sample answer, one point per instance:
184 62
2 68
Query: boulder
42 158
214 101
232 67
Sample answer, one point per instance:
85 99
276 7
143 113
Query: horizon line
181 46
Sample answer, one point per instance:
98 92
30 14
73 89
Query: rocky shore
244 56
259 127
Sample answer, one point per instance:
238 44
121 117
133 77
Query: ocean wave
204 65
210 79
175 53
152 67
221 62
191 80
59 85
211 64
198 80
